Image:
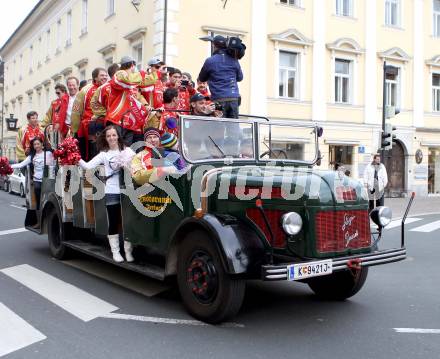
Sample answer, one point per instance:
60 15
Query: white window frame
82 75
31 58
349 76
296 85
40 53
295 3
435 20
435 93
339 8
20 74
388 13
134 46
47 44
84 16
69 28
58 49
111 8
398 83
108 60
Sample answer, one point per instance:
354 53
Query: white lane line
72 299
398 222
157 320
417 331
427 227
16 333
19 207
12 231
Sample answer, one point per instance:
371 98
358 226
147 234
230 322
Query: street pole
165 29
384 100
2 84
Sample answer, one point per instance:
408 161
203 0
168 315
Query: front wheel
339 285
56 234
208 292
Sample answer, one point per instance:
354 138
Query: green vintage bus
243 208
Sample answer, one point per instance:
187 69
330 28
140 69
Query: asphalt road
277 320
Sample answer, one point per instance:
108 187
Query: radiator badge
347 229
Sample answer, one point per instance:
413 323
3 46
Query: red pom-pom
5 167
67 152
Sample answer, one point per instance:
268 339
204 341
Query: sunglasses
58 92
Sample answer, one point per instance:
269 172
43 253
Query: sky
12 13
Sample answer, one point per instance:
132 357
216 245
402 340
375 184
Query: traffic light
388 137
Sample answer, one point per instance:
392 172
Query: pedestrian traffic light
391 111
388 137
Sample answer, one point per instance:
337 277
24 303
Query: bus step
103 253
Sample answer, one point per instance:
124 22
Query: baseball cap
219 41
198 97
155 61
126 60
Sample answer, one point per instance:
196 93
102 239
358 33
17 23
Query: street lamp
12 122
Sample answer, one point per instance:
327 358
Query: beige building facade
306 60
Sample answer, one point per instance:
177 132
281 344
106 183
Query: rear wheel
208 292
339 285
56 234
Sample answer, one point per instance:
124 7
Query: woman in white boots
112 154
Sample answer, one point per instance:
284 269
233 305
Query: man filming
222 72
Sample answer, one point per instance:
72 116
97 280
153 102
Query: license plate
307 270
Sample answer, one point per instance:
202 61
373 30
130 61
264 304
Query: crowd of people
121 106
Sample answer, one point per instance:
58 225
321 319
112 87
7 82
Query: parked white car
17 182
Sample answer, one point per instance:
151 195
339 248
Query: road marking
19 207
72 299
12 231
427 227
17 333
156 320
398 222
417 331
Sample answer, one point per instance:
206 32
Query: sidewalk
420 205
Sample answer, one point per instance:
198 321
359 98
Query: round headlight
381 216
292 223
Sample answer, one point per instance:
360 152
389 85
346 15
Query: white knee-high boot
128 248
113 240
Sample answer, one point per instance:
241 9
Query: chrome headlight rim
381 216
292 223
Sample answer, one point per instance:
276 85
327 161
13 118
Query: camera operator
222 72
201 106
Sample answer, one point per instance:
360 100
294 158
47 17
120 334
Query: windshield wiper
217 146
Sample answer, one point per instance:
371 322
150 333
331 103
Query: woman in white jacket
375 179
112 150
36 162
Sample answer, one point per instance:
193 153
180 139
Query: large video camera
235 47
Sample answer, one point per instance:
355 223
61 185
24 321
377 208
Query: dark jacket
222 73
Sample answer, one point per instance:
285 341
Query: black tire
214 296
56 235
339 285
22 193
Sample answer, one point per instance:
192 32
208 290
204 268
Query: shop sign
421 172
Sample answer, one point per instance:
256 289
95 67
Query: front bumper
279 271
